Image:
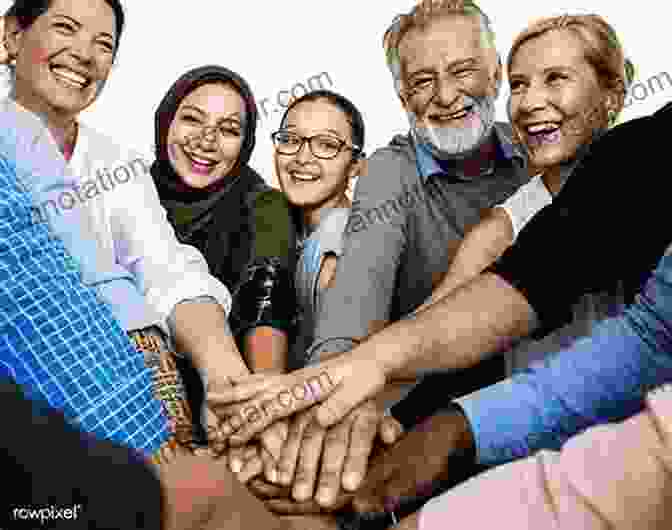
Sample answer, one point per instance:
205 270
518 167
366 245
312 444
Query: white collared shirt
133 229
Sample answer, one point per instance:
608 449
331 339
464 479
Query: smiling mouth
199 164
303 177
446 117
543 133
70 78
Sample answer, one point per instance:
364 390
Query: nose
445 93
534 98
304 154
82 49
207 138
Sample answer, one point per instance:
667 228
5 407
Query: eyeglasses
321 145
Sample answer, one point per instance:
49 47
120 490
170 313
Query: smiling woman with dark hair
60 54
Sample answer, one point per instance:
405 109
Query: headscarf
214 218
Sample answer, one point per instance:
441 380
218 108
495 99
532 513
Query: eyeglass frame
354 148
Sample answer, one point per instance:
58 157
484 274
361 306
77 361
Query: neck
62 126
552 179
313 215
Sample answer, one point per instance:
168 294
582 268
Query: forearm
202 332
480 318
265 349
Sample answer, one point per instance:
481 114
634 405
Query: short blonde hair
603 49
424 13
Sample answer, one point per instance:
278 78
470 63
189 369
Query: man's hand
411 467
255 402
332 460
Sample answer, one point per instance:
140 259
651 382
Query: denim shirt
601 378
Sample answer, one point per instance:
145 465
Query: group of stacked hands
320 424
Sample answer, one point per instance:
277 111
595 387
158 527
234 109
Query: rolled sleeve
601 378
167 272
375 238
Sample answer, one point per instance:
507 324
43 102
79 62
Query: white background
275 45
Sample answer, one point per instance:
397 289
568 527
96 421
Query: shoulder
101 148
389 170
396 159
269 200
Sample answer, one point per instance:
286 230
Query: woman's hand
255 402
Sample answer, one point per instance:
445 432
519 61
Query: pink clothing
611 477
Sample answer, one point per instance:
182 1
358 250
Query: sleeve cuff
339 345
494 414
165 304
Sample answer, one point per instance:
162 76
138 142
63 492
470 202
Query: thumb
390 430
216 439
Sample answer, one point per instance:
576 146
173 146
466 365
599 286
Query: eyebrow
545 71
232 117
472 61
79 25
333 131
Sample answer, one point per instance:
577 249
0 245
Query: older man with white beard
421 194
455 163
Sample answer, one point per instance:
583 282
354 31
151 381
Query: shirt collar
507 151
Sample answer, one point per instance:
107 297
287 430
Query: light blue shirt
43 170
600 378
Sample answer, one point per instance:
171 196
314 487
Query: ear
12 37
612 101
497 75
357 168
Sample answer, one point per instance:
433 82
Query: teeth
542 127
455 116
70 76
303 176
201 161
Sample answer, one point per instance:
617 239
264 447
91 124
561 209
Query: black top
49 465
607 225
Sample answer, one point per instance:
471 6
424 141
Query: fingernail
324 496
302 492
225 429
272 476
351 481
236 465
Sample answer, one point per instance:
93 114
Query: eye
190 119
465 72
516 86
555 77
421 82
228 130
65 27
287 138
328 143
108 47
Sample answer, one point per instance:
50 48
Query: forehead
448 39
555 48
96 15
215 98
318 116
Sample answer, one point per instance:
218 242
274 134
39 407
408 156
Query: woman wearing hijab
205 134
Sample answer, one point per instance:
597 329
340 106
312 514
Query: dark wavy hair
27 11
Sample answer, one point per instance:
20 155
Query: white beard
451 142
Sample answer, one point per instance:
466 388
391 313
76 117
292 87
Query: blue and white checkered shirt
57 339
